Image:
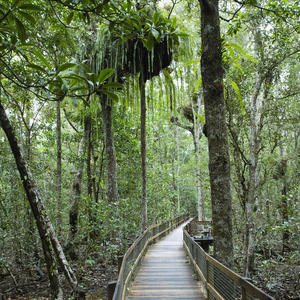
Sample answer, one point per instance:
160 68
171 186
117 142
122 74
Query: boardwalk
165 273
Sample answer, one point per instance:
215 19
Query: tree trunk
219 162
198 173
143 152
285 217
250 229
111 162
197 134
58 166
88 161
76 190
45 229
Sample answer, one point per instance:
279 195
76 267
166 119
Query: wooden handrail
130 266
246 288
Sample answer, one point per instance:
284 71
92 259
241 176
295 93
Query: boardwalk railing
132 259
220 282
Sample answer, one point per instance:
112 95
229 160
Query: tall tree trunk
111 162
282 172
257 113
76 190
92 219
176 154
58 166
88 161
198 174
45 229
219 162
197 134
250 229
143 152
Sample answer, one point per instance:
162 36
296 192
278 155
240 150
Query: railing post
207 277
111 289
244 293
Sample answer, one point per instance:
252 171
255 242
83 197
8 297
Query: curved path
165 272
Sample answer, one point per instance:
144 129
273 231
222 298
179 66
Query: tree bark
219 162
45 229
250 229
111 162
58 166
197 134
76 189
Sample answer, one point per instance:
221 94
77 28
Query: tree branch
234 14
188 128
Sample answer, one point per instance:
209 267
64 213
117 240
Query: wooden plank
165 272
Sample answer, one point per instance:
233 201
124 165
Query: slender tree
46 231
58 166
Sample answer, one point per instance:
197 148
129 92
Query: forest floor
280 280
93 279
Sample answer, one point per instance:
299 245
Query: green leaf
237 90
191 62
28 17
150 42
156 17
183 34
168 75
29 6
104 74
113 85
87 68
239 66
200 117
199 81
91 83
64 88
111 95
65 66
79 88
36 67
42 59
70 17
20 30
77 77
156 34
240 49
174 22
136 22
129 4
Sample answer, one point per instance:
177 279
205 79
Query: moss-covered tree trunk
219 163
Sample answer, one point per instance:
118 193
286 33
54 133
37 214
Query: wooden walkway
165 272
